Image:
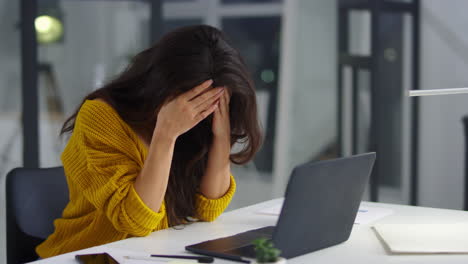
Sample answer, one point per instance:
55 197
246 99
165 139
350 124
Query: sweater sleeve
112 163
210 209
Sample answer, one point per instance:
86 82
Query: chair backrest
34 199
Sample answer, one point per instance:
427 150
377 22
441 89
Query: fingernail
210 81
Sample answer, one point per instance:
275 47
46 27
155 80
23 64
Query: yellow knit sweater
101 161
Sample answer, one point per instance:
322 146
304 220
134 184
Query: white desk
362 247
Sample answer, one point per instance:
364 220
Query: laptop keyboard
245 251
236 245
248 249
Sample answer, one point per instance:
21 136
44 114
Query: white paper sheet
365 215
424 238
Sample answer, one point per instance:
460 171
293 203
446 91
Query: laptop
320 206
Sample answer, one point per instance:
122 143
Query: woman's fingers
190 95
209 101
202 101
202 115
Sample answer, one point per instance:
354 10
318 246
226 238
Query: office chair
465 126
34 199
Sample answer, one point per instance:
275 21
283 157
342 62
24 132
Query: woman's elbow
123 223
209 216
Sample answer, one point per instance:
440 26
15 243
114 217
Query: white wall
444 64
99 38
307 94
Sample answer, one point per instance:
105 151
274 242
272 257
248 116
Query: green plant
265 250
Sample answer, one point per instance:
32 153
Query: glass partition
97 42
11 132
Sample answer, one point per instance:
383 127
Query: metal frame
414 179
375 98
29 85
377 7
156 21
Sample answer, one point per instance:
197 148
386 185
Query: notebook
424 238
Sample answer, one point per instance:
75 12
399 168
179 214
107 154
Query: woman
152 148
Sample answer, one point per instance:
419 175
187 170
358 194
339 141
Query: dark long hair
181 60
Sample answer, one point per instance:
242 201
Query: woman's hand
216 180
221 124
187 110
174 118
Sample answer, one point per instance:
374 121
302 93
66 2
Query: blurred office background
332 78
